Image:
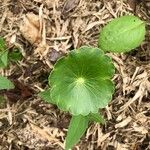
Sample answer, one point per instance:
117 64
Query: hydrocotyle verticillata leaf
122 34
77 128
81 82
5 83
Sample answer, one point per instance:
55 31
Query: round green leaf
122 34
81 82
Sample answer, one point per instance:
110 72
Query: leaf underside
122 34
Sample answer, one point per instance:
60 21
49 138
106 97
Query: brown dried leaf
30 28
69 5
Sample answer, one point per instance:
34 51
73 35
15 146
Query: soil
44 31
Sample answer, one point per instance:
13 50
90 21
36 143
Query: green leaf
5 83
45 95
122 34
77 128
81 82
96 117
3 59
2 44
15 55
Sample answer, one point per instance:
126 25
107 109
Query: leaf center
80 81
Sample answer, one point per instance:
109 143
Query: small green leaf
77 128
5 83
15 55
81 82
122 34
3 59
96 117
45 95
2 44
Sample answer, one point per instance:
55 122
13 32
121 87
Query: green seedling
80 82
7 56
